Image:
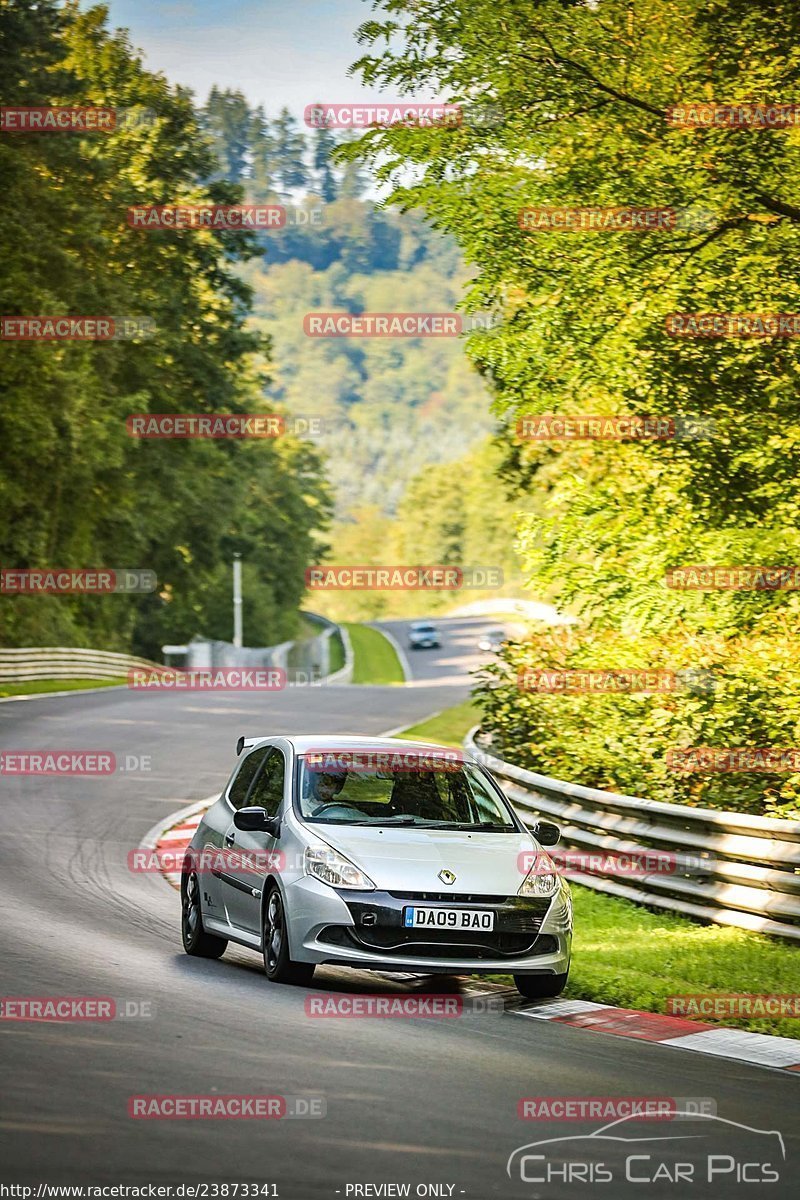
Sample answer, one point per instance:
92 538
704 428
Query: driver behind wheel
326 785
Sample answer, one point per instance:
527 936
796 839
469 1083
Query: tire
540 987
275 942
196 941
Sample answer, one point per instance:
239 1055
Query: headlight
333 868
542 879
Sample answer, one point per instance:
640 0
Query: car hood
410 860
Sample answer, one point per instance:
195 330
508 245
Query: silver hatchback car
374 853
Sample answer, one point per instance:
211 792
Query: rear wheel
540 987
277 964
195 939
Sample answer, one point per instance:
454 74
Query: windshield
353 790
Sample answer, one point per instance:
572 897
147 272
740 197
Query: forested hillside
396 405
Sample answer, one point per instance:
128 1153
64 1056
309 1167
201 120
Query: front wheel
277 964
196 941
540 987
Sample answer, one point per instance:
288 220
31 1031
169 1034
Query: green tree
579 96
324 145
227 119
75 489
289 142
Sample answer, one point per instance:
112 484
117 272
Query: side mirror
256 820
546 832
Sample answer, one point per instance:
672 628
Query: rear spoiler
244 743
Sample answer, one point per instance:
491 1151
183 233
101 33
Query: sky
289 53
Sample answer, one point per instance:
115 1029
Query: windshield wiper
493 826
372 822
397 821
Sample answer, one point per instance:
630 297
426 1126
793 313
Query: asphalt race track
417 1102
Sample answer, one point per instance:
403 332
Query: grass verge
448 727
374 657
35 687
336 661
628 955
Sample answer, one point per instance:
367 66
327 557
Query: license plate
415 917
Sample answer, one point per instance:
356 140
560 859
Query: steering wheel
346 809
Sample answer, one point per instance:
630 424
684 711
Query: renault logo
447 876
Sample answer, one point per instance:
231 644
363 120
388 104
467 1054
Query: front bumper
365 929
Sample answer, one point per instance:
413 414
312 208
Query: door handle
230 839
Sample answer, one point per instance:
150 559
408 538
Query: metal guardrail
30 663
724 867
62 662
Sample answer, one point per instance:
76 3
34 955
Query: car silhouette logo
615 1130
447 876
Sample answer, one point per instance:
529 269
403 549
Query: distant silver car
374 853
492 640
422 635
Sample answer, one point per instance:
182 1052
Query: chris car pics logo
700 1149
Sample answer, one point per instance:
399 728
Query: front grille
442 943
378 926
452 897
506 945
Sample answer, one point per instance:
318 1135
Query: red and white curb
175 833
762 1049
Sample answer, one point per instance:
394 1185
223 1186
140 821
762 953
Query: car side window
268 788
247 771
